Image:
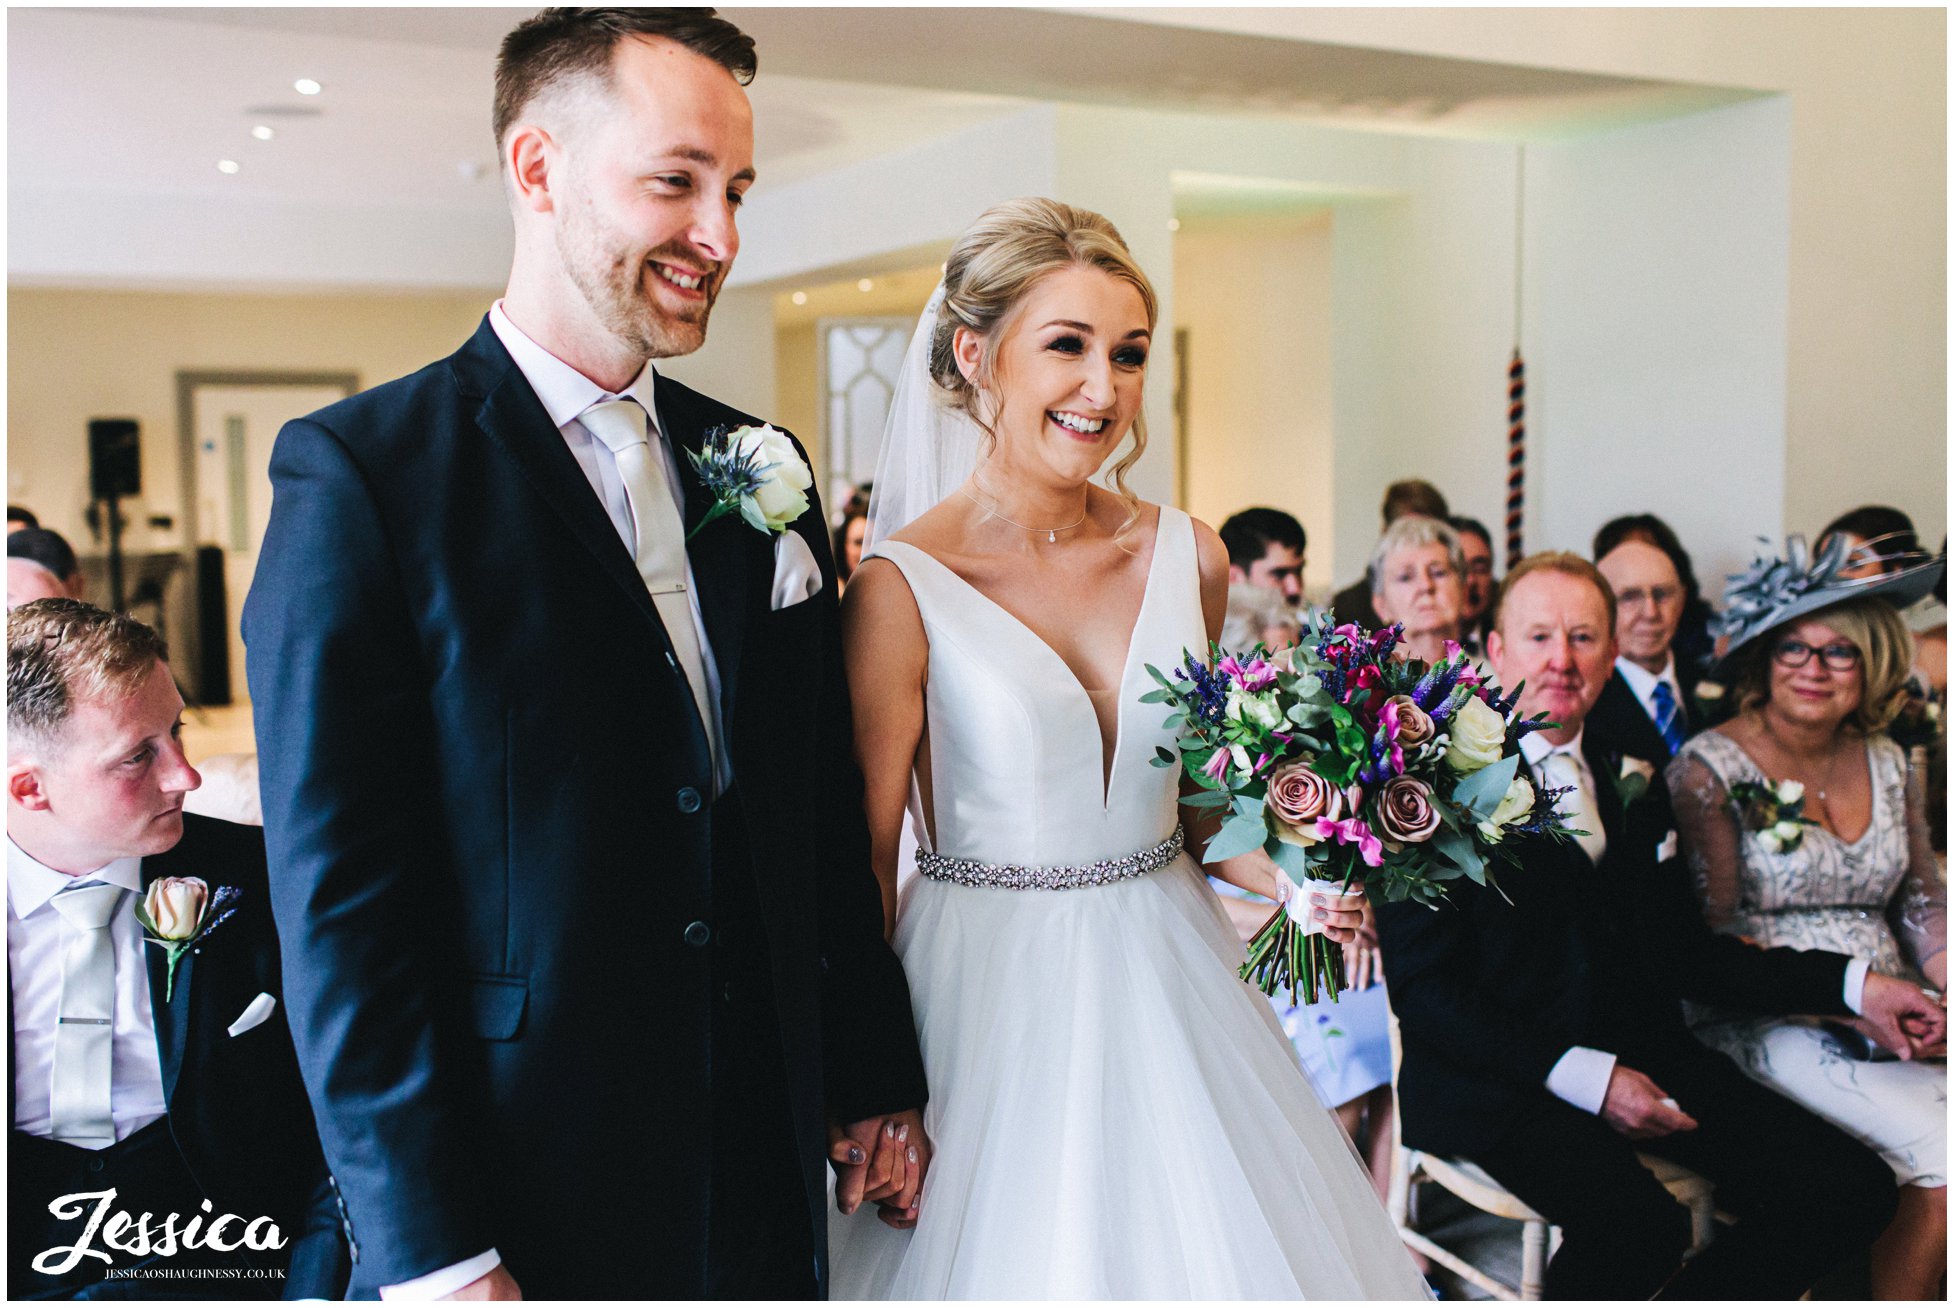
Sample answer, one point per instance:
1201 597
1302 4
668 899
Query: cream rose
1405 811
1515 804
1790 792
1258 710
1415 726
1297 798
1478 737
175 906
782 496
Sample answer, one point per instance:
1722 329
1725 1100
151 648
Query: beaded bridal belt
1004 876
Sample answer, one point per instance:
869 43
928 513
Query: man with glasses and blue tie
150 1082
1646 705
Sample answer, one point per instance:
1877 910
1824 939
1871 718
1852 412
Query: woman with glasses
1818 664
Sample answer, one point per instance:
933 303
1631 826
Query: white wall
1866 331
1655 330
1256 307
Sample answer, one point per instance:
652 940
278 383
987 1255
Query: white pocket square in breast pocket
1667 849
255 1013
796 574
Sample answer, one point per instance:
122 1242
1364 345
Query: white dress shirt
565 394
1581 1075
1643 683
34 951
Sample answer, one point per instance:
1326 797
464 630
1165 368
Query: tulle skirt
1115 1114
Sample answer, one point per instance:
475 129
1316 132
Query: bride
1114 1115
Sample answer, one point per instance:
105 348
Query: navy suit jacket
487 796
1493 986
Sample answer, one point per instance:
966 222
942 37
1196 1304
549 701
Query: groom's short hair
560 45
62 653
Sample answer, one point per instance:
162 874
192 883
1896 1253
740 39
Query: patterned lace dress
1881 897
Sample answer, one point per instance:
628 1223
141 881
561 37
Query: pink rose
1414 725
1297 798
1405 811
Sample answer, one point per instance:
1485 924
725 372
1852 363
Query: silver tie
660 548
1577 806
84 1040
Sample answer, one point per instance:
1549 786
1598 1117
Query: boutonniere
1709 696
755 470
1774 812
177 913
1633 781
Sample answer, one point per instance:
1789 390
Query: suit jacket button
688 800
697 934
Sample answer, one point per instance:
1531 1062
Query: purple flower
1217 765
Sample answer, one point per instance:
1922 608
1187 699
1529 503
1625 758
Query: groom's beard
617 286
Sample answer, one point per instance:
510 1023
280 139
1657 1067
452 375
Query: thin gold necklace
1051 533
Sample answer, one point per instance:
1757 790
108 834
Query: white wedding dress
1115 1114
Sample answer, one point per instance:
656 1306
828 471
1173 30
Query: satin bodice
1016 758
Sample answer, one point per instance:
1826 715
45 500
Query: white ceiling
117 119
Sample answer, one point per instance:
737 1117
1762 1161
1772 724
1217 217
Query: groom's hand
495 1284
880 1159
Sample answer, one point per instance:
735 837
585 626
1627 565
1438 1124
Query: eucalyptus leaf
1293 859
1481 792
1238 835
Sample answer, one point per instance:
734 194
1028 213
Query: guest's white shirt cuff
1581 1078
1855 985
445 1281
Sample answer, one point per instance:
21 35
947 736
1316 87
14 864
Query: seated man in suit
147 1079
1648 705
1543 1028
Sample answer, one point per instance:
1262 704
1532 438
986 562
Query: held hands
1639 1109
881 1160
1903 1018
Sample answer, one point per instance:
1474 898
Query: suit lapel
515 419
722 554
1606 766
172 1016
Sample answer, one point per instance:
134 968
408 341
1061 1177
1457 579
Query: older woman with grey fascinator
1804 826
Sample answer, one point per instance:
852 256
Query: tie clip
83 1021
676 588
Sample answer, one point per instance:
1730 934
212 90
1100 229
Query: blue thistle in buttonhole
755 470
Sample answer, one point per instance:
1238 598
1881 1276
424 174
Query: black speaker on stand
114 471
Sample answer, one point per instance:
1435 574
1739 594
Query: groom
584 957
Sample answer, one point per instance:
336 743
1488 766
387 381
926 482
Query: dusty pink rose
1297 798
1405 811
1414 724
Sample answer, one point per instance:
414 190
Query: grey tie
660 548
1578 807
84 1040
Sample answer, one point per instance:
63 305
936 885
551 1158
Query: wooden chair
1538 1237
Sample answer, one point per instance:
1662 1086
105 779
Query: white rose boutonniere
756 471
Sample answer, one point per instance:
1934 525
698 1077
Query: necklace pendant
1051 537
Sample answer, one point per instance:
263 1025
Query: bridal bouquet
1345 764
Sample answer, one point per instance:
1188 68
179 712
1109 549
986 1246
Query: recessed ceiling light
865 285
227 166
262 133
306 86
800 297
1173 224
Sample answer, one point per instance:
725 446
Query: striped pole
1516 458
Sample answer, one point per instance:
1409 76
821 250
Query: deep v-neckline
1109 770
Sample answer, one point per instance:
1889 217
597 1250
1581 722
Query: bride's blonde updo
991 270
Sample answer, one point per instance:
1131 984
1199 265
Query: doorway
228 422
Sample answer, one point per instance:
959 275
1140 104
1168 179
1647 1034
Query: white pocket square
254 1014
796 574
1667 849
